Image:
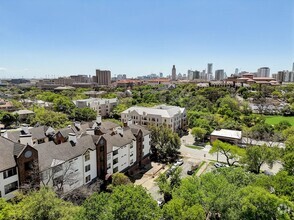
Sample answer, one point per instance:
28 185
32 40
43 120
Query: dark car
190 172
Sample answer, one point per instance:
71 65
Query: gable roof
9 149
116 140
50 152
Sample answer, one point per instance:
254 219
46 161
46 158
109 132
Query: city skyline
66 38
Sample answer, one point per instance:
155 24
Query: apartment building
93 150
173 116
103 107
16 165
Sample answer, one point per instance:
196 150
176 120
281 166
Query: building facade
219 75
174 73
172 116
91 151
103 107
263 72
103 77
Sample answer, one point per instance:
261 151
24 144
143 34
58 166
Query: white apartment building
173 116
103 107
80 160
68 165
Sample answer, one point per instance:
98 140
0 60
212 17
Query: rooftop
162 110
234 134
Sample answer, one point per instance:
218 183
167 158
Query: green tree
44 204
83 114
176 209
6 210
232 152
50 118
257 203
165 142
97 206
198 133
63 104
125 202
256 156
7 118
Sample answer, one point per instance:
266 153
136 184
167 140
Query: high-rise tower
174 73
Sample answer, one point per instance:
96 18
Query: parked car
218 165
179 162
160 202
191 172
193 169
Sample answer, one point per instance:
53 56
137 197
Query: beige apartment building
103 107
173 116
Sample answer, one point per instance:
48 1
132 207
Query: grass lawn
276 119
194 147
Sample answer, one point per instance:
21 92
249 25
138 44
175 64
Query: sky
54 38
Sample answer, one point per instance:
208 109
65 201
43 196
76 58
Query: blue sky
135 37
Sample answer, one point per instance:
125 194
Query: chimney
90 131
26 139
120 131
78 125
72 138
98 119
25 128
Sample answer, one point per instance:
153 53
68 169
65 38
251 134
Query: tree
6 210
125 202
120 179
231 152
256 156
176 209
44 204
262 132
64 105
97 206
288 162
257 203
84 114
7 118
283 125
199 133
50 118
167 185
166 142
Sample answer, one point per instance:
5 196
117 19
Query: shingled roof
9 149
49 151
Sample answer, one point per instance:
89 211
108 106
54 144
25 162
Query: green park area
276 119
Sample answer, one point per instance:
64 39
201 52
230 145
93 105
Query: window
57 180
87 156
9 173
115 169
28 166
10 187
132 161
115 161
88 178
115 152
131 146
87 168
108 166
131 154
57 168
